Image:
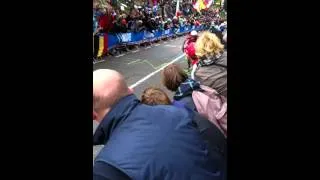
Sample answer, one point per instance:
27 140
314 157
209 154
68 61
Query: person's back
210 133
155 142
214 75
212 67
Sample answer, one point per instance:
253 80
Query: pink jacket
213 106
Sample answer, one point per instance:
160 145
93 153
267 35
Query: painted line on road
134 61
120 55
155 72
169 45
96 62
135 51
148 47
156 44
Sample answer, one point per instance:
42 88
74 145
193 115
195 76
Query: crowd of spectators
113 20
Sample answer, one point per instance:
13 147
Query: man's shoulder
161 109
161 114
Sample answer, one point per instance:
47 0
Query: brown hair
173 76
155 96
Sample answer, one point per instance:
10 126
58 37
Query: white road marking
155 72
96 62
135 51
156 44
134 61
169 45
148 47
120 55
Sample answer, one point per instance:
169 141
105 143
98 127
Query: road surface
142 68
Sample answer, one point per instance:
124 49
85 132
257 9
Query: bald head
109 87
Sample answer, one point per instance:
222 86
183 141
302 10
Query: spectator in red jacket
105 21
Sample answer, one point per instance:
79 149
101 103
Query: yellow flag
101 46
201 5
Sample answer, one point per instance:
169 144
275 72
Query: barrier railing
136 38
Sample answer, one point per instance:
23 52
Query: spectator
182 21
175 22
209 132
140 26
122 22
155 96
105 21
215 29
172 78
188 92
168 24
212 67
149 23
105 171
148 142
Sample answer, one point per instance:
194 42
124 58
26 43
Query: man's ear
131 91
94 115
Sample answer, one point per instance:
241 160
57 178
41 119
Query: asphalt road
139 65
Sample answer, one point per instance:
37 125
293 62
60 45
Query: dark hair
173 76
155 96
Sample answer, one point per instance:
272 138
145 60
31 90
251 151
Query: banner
148 35
126 37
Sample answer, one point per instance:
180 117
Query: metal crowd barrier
136 38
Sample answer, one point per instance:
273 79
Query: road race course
142 68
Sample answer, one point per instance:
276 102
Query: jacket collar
186 88
114 118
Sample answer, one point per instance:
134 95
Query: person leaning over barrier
212 66
147 142
155 96
209 132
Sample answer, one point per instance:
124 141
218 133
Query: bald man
147 142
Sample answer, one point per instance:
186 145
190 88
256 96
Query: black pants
95 45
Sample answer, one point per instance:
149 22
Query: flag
208 3
103 45
202 4
177 8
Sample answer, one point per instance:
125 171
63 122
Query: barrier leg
131 48
148 44
112 52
